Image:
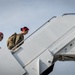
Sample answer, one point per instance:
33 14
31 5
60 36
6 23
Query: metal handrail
68 14
31 34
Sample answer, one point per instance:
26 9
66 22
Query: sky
15 14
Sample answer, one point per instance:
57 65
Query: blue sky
15 14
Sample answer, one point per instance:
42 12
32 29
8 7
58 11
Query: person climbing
16 39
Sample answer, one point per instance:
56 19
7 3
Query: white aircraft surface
53 41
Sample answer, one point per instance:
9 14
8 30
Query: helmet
24 29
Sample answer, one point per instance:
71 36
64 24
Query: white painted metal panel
32 68
64 40
69 49
8 64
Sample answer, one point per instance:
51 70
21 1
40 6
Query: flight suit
14 40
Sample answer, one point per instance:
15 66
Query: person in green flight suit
15 39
